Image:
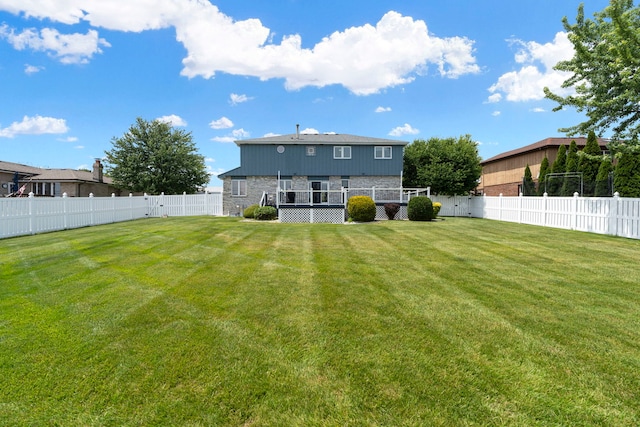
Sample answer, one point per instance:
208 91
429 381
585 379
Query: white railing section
340 197
614 216
31 215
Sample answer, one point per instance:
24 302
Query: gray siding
260 160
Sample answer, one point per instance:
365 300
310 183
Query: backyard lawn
215 321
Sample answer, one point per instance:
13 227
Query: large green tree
153 157
448 165
603 71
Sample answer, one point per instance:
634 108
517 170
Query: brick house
55 182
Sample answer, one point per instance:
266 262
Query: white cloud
235 99
538 110
268 134
383 109
496 97
68 139
240 133
79 147
235 135
173 120
221 123
67 48
37 125
210 160
496 113
364 59
32 69
309 131
407 129
223 139
538 60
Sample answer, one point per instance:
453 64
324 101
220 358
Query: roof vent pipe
297 131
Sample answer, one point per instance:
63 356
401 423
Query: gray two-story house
309 169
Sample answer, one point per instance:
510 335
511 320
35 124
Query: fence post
91 209
545 196
520 200
64 211
113 207
500 207
31 195
574 219
614 212
184 203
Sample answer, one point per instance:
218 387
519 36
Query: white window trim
237 187
311 150
340 149
382 151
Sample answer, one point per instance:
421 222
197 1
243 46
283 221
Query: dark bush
391 209
420 209
250 211
266 213
361 209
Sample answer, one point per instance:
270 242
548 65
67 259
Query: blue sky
76 73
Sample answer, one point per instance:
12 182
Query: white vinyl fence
31 215
614 216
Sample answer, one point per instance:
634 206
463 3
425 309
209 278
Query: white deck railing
340 197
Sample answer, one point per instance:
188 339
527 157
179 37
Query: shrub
250 211
436 209
420 209
361 209
391 209
266 213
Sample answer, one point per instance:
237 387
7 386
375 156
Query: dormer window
342 152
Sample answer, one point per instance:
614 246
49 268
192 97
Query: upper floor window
383 152
238 187
342 152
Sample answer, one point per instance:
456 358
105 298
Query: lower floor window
238 187
45 188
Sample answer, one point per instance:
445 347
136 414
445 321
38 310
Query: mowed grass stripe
214 321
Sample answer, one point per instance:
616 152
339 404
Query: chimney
297 131
97 171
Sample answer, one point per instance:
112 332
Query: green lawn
214 321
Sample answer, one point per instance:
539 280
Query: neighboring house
503 174
307 168
55 182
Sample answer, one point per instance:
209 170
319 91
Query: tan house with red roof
55 182
503 174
